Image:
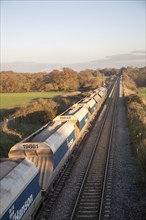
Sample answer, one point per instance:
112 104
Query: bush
38 111
137 124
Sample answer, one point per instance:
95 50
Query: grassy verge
142 91
136 110
136 113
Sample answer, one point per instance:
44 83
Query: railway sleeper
87 211
89 207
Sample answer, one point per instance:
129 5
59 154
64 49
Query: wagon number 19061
30 146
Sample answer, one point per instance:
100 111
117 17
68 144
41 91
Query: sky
43 35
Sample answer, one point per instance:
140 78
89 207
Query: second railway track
79 194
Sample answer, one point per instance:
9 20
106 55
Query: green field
10 100
143 92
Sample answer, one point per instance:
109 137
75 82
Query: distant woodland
65 79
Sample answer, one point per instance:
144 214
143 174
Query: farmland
11 100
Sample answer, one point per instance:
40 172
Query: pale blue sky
70 32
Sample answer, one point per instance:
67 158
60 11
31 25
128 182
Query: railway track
90 200
87 203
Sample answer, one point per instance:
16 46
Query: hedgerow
136 113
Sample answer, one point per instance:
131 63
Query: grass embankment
136 113
28 118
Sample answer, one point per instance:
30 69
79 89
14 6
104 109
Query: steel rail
108 157
92 156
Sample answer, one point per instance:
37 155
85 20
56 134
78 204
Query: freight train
35 162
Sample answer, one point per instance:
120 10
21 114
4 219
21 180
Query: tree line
135 77
65 79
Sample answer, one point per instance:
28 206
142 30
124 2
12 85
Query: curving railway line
83 190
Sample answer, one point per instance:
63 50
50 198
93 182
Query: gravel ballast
128 195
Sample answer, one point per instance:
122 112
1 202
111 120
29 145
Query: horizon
46 35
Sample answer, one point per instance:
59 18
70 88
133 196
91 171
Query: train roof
19 173
103 89
77 111
7 165
48 145
87 102
90 101
71 111
58 138
46 132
